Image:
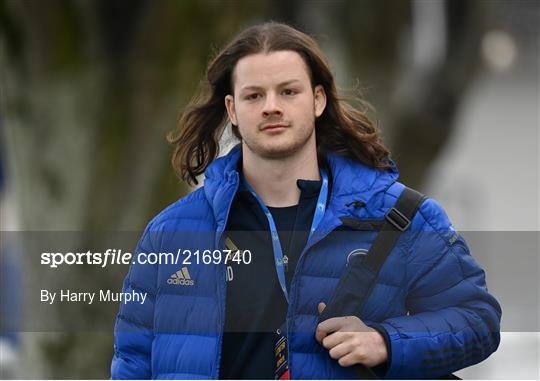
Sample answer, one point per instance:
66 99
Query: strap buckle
398 219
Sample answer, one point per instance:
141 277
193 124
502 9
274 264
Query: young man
297 194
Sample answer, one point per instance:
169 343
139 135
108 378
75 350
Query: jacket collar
354 181
351 181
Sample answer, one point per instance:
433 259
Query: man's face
274 105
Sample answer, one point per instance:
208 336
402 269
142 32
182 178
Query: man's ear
320 100
229 105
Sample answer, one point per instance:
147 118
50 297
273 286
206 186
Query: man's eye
289 92
252 96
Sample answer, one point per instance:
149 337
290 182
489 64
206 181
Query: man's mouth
274 126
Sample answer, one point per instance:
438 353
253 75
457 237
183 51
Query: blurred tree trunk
437 69
89 92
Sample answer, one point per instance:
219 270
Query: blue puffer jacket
430 295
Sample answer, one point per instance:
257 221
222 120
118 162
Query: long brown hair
342 128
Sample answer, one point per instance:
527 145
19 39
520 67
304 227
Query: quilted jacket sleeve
133 332
453 321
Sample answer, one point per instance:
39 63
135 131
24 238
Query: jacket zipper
308 246
223 279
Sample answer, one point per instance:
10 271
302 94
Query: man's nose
272 106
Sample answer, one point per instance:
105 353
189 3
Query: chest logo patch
355 252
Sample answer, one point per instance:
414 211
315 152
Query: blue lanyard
276 245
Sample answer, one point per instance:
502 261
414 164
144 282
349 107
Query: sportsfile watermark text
119 257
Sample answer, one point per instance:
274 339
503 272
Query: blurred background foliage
90 88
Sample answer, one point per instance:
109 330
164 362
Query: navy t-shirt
255 304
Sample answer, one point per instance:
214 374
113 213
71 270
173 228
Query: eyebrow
286 83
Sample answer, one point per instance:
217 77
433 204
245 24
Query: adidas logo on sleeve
181 278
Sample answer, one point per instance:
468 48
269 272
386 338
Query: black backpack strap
397 220
355 284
